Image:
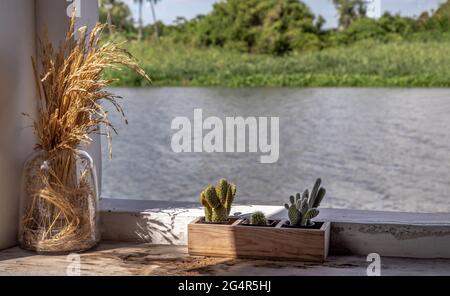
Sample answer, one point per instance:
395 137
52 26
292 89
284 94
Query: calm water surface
380 149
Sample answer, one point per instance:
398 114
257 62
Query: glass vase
59 202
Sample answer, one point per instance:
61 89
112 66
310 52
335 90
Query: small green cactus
303 207
217 201
258 218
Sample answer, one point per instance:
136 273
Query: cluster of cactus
258 218
303 208
217 201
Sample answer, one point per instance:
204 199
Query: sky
168 10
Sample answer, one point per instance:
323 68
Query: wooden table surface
144 259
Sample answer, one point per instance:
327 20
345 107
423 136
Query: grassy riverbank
370 64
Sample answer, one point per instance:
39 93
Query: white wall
19 22
17 45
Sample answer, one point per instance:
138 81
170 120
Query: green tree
117 14
363 29
350 10
140 21
441 17
155 21
320 22
397 24
261 26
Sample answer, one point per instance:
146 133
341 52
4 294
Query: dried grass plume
71 88
59 192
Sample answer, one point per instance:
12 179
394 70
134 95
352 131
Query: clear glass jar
59 203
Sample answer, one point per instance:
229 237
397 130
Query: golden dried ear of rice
71 88
58 213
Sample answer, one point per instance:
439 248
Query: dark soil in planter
271 223
316 225
230 221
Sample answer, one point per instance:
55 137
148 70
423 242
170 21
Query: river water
377 149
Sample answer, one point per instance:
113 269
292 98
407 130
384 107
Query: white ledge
420 235
278 212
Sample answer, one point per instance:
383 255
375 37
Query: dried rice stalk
58 216
71 88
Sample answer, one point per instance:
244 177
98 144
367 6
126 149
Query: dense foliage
371 63
120 15
281 26
281 43
270 26
349 11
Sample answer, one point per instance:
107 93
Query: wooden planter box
260 242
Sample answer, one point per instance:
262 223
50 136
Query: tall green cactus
303 207
217 201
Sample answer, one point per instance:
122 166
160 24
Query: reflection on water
382 149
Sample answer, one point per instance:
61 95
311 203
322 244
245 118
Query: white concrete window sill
354 232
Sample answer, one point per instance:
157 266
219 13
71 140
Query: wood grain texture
112 258
237 241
